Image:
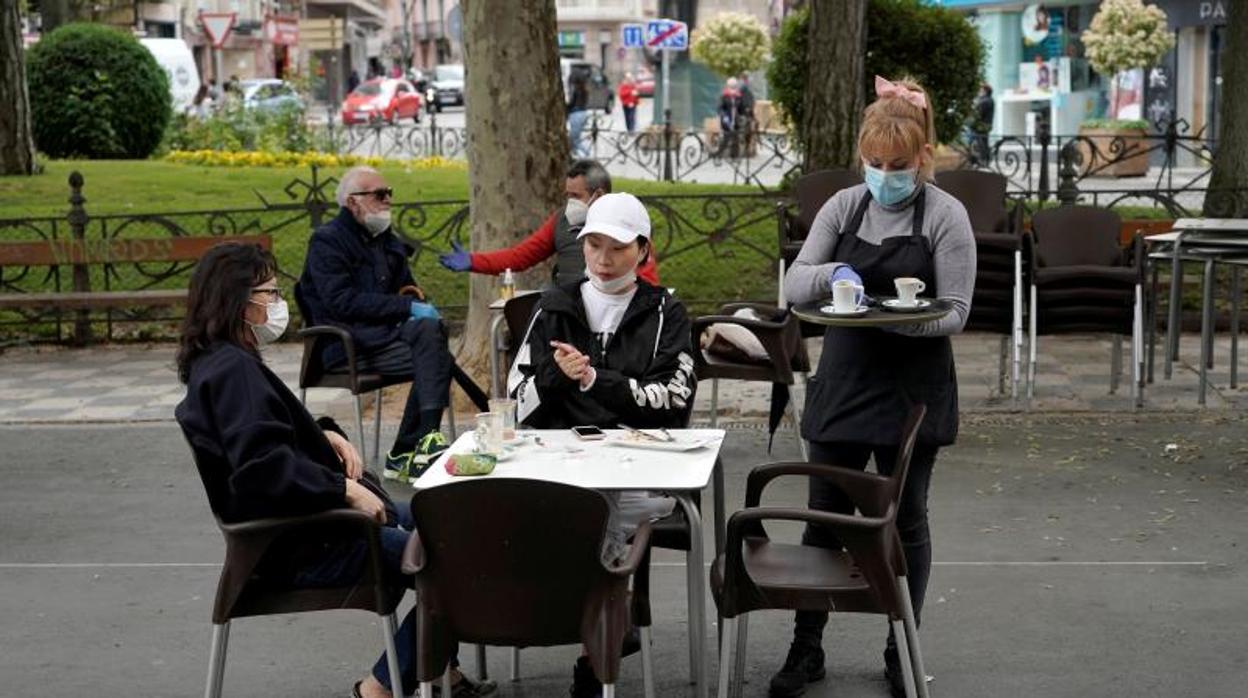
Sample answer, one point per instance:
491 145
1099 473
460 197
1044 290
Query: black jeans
421 352
912 526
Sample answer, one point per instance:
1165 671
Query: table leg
1172 320
496 384
717 485
1206 330
696 578
1235 290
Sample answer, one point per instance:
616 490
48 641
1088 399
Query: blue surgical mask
890 188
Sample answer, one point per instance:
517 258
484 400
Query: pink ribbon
885 88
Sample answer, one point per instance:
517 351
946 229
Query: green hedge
95 92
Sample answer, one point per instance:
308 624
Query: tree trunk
1230 161
517 143
17 145
833 99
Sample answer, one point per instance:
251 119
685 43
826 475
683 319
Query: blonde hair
893 124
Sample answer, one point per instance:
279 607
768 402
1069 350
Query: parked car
382 99
179 64
448 86
601 96
269 95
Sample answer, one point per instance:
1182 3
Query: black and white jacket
645 369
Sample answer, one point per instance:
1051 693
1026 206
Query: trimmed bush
934 45
95 92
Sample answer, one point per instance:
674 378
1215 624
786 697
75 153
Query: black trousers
420 351
912 525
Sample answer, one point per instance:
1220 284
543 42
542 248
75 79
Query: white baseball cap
619 216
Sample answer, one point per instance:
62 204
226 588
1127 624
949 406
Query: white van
175 57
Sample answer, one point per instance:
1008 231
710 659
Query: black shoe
804 665
466 688
893 674
584 683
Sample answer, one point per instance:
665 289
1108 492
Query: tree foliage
95 92
1126 34
731 43
936 46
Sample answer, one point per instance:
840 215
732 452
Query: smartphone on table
588 433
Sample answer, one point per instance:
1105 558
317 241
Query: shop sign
1195 13
571 39
282 30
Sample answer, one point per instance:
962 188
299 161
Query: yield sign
218 26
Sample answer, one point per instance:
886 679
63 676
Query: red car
645 83
382 99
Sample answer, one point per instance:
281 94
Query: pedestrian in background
578 112
729 117
629 97
985 109
353 81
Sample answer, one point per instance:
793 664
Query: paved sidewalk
135 383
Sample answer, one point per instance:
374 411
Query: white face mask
576 211
619 284
275 325
377 223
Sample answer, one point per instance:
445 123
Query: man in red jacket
587 180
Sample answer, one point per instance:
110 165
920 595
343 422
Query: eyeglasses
274 293
381 193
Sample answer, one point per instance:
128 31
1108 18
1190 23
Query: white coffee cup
846 296
908 288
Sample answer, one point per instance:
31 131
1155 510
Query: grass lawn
703 261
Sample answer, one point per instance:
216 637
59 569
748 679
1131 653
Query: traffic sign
632 35
668 34
218 26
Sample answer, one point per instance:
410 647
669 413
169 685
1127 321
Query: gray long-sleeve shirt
945 223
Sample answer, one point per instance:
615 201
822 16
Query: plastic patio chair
517 563
869 576
241 592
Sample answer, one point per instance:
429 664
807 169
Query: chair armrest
312 335
867 491
414 559
278 525
636 551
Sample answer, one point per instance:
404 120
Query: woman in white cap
605 350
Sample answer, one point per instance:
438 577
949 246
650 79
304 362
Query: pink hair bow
886 88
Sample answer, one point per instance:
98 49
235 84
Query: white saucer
894 304
830 310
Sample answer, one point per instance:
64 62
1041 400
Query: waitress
895 225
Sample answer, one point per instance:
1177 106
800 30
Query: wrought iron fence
712 248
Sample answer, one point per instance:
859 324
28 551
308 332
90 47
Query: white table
1207 240
557 455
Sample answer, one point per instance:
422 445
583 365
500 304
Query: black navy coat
352 279
271 456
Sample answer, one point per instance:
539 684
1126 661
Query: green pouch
471 464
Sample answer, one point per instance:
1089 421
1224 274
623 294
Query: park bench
82 253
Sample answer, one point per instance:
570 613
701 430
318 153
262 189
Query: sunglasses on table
381 193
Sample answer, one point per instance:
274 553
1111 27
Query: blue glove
844 273
421 311
459 260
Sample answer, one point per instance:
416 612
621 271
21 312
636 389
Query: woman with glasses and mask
586 182
278 460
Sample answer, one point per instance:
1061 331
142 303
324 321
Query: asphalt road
1076 556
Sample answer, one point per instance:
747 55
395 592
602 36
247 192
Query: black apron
868 378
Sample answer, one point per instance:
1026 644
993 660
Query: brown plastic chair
241 592
313 374
1082 280
811 191
780 336
997 300
517 563
869 576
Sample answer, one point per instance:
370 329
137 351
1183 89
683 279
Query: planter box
1124 165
